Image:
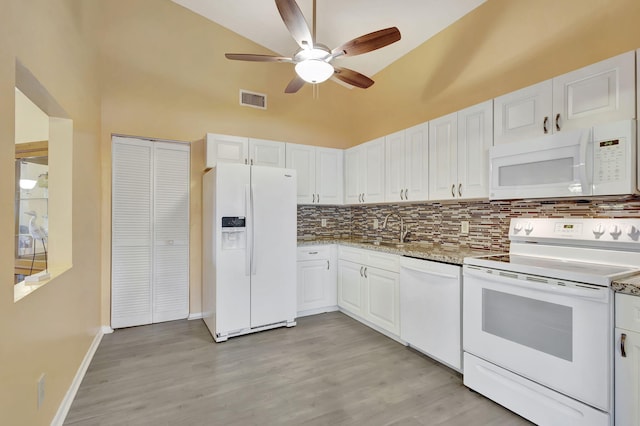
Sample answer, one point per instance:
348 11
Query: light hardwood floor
328 370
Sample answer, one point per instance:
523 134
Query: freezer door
233 280
273 219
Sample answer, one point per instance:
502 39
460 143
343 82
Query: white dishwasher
430 302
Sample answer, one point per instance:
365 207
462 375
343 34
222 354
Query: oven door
547 167
555 335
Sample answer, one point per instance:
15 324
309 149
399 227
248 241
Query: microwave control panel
609 160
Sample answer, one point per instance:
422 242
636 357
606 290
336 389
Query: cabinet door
302 159
313 284
443 173
598 93
394 181
266 153
350 287
374 171
228 149
627 379
416 163
475 137
352 165
523 114
383 299
329 172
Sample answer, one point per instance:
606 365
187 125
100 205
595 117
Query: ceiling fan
313 61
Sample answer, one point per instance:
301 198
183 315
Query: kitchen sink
388 244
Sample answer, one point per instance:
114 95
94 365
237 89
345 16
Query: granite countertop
629 285
421 250
428 251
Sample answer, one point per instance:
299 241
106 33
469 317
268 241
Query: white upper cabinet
364 173
406 164
598 93
266 153
459 153
319 173
237 149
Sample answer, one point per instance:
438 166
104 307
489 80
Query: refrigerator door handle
253 232
248 250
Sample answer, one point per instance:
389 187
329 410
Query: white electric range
538 321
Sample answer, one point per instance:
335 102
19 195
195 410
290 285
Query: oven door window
543 326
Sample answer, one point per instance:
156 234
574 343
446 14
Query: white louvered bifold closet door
150 232
171 232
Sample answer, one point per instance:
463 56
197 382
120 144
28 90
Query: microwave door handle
598 295
585 167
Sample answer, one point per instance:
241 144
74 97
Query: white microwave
590 162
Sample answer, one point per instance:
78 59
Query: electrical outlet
464 228
41 383
323 223
375 223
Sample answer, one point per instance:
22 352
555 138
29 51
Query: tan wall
501 46
50 330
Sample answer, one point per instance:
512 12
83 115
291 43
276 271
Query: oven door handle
514 279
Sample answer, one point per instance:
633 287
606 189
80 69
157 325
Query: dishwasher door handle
433 273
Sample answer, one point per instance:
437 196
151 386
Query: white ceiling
338 21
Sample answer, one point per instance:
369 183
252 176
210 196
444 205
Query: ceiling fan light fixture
314 70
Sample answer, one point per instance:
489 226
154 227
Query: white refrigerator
249 249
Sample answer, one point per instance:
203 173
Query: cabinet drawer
389 262
353 254
313 252
628 312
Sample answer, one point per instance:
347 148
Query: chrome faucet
404 230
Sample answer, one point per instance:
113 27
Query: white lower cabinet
627 361
430 301
369 288
316 275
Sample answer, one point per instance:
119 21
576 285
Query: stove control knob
633 232
517 227
598 230
528 228
615 231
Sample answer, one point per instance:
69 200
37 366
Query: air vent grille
252 99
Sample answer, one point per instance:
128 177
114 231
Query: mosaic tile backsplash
439 222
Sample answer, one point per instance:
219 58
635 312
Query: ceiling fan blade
295 22
368 42
294 85
353 78
256 58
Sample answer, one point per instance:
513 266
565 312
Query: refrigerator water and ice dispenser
233 232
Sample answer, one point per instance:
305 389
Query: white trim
65 405
105 329
195 316
317 311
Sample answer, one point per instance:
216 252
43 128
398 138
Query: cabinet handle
363 198
544 125
327 265
558 122
460 189
361 268
365 272
314 198
317 198
313 252
623 338
246 161
406 193
401 191
453 190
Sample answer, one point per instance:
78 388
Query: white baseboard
195 316
65 405
317 311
